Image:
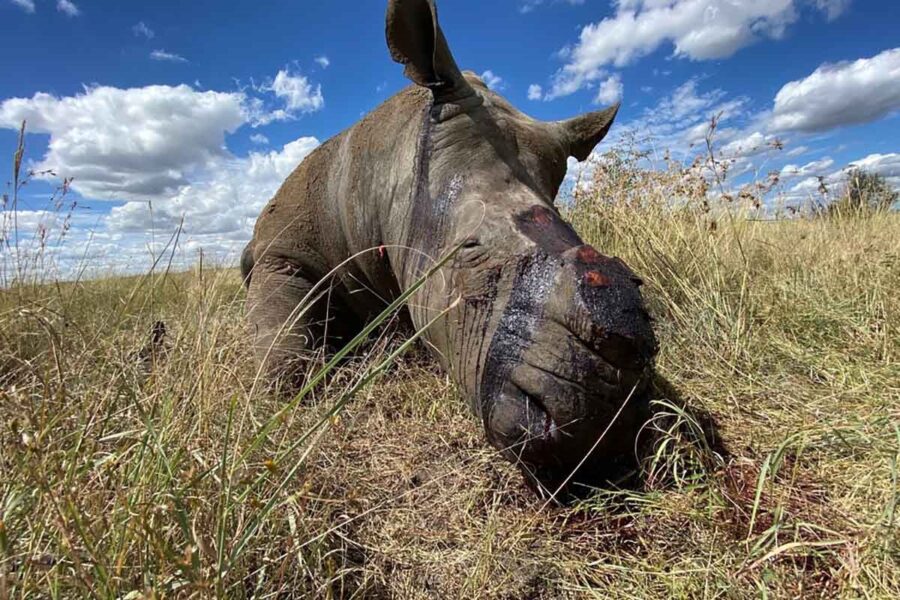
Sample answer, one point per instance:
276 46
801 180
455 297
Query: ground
139 468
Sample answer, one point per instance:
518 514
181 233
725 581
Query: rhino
547 338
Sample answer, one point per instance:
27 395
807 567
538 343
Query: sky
164 112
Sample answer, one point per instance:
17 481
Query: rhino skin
549 341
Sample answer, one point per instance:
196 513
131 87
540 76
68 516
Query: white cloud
162 55
887 165
225 199
298 94
160 147
746 146
610 90
68 7
142 30
832 8
683 117
810 169
130 143
698 30
840 94
258 138
322 61
535 92
527 6
672 127
492 80
811 188
26 5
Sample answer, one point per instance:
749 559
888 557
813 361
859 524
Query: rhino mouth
548 421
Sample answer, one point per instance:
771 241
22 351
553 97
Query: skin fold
548 339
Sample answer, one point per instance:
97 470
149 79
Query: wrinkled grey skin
549 338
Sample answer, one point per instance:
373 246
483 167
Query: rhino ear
582 134
415 39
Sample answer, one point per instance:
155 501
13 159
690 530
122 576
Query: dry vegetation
135 467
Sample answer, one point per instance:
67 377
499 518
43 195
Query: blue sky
200 109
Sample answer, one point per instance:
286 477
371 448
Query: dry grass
139 470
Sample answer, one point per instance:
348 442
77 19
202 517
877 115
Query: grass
140 470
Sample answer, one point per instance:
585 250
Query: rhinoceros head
550 339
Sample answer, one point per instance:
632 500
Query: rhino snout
553 416
577 384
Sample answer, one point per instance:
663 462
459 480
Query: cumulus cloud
162 55
697 30
535 92
129 143
492 80
610 91
68 8
26 5
142 30
811 169
322 61
162 151
747 145
678 122
297 92
218 210
138 144
840 94
216 213
225 200
886 165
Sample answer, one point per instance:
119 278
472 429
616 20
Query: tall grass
140 467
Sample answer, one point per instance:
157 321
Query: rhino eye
471 242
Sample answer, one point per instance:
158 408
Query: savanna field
142 461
